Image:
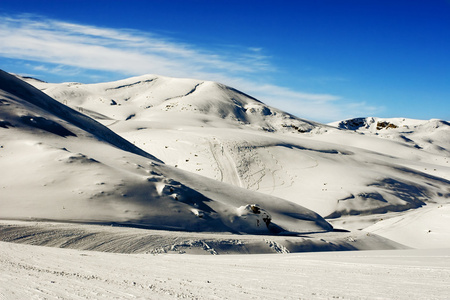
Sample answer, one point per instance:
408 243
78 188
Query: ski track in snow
251 168
225 162
34 272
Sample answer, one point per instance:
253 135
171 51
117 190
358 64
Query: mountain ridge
152 92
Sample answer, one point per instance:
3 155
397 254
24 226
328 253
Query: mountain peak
143 96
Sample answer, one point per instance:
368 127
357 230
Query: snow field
51 273
375 169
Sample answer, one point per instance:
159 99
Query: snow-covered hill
58 164
355 175
204 102
431 136
218 132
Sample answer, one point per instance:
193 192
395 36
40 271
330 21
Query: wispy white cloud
130 52
127 51
318 107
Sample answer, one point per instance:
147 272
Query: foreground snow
34 272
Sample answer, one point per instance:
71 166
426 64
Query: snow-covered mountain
431 136
58 164
64 175
221 133
140 98
351 172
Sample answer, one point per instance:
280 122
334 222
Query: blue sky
323 60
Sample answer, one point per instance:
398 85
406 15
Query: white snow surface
424 228
362 167
139 240
61 165
128 175
34 272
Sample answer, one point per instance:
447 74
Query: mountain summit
140 98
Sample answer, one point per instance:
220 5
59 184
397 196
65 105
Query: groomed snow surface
128 175
34 272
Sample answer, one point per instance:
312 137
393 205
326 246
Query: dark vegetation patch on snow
385 125
80 158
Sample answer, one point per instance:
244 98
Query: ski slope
52 273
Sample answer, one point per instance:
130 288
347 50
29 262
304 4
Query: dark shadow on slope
32 78
30 94
409 195
377 210
187 94
394 195
47 125
267 111
94 114
331 151
193 90
224 87
314 245
423 175
5 124
130 85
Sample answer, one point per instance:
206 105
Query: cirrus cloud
66 45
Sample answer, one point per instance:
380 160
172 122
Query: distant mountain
58 164
429 135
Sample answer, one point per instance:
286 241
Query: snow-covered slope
141 98
218 132
425 228
59 164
